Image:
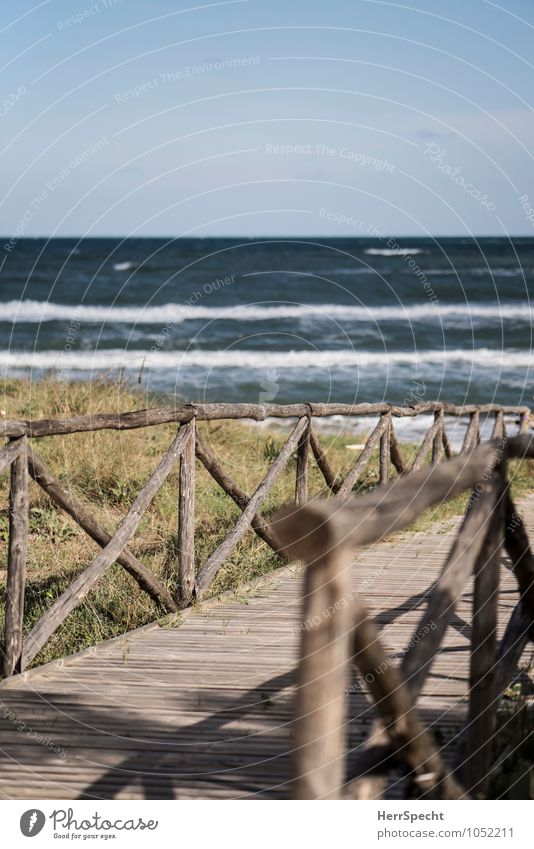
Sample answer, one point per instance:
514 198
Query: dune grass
106 470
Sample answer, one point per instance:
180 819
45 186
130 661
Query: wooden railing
337 629
22 459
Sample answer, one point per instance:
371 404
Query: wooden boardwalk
204 709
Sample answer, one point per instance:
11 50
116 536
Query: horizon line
381 238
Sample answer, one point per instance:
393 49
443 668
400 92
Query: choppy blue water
285 320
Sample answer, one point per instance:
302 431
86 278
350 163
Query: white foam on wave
353 272
394 251
465 271
255 359
42 311
123 266
484 271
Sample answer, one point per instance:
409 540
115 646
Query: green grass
106 470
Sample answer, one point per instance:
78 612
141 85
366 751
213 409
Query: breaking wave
43 311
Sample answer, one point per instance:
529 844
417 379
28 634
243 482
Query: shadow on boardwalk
239 748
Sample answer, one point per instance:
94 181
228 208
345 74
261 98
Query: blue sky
267 118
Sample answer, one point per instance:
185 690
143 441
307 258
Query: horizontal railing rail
324 534
188 449
256 412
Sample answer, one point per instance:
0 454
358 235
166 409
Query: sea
275 320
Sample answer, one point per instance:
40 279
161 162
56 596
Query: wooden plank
79 588
16 561
217 558
64 499
186 518
301 481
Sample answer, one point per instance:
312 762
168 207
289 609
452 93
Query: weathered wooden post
437 441
385 449
482 711
498 426
16 562
524 422
320 703
301 483
186 519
